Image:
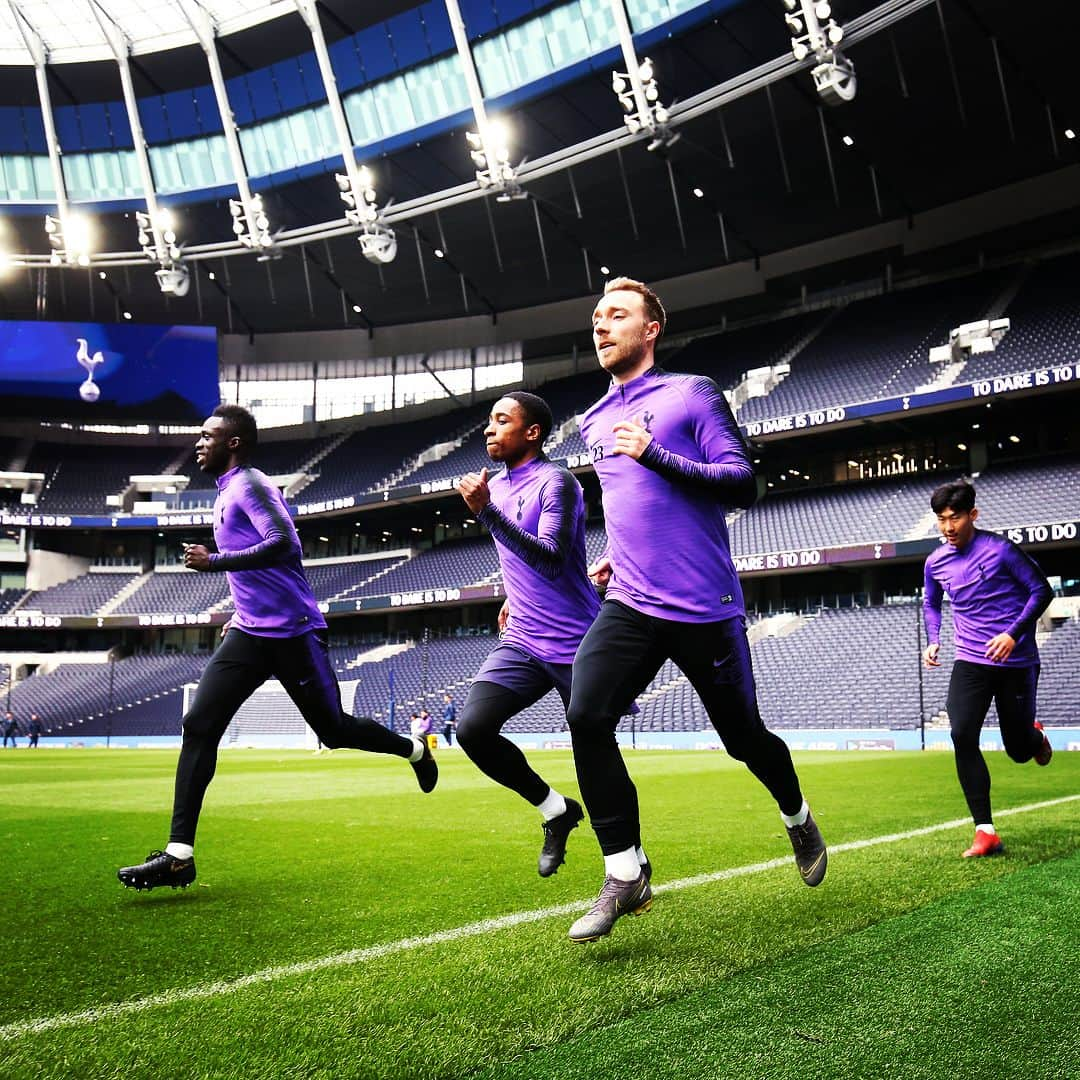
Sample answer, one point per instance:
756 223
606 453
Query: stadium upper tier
799 682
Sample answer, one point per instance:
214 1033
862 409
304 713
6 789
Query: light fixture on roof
814 31
252 225
848 140
356 188
157 238
605 270
357 308
1070 134
1014 438
489 149
69 239
639 95
698 193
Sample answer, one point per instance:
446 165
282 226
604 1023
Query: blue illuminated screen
103 372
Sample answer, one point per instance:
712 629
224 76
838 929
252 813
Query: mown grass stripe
352 957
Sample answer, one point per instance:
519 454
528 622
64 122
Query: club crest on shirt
646 421
520 504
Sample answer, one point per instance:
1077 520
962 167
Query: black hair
536 410
958 496
241 423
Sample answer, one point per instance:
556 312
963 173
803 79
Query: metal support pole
121 48
36 47
206 32
309 13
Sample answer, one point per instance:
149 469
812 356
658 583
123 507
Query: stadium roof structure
955 101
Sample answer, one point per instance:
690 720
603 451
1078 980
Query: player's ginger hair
654 310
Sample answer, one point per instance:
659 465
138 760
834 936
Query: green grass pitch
344 925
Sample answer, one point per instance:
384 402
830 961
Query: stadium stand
9 598
800 683
74 699
1045 324
77 479
83 595
187 592
876 347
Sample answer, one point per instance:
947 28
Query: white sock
419 746
987 829
180 851
553 805
642 858
623 865
791 820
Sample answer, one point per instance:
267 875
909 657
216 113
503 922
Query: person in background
449 719
997 596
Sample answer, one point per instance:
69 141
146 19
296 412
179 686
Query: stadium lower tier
849 669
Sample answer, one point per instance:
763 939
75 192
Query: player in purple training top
535 512
670 461
276 631
997 595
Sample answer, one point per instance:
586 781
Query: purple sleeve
268 517
932 594
726 470
547 552
1024 570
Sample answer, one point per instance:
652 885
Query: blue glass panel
290 86
66 120
119 124
206 109
34 129
437 27
180 115
375 52
12 139
408 38
346 64
479 16
312 77
264 97
240 100
154 121
93 124
507 11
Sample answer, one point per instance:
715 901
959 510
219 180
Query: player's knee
197 722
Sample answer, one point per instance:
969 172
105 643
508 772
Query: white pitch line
351 957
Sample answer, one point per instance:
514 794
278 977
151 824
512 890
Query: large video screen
107 372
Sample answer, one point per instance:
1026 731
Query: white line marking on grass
457 933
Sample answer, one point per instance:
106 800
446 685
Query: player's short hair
535 410
958 496
654 310
241 424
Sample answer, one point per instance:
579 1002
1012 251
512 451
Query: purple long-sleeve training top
537 519
258 548
665 512
994 588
